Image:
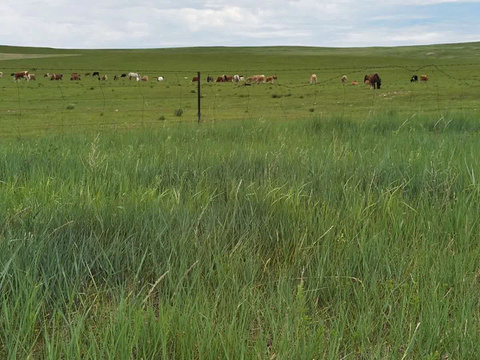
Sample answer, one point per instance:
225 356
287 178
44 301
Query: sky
137 24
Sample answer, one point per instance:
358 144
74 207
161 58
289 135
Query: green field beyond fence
329 221
45 106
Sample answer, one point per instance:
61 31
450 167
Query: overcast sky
121 24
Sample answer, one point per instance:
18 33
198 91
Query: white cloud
150 23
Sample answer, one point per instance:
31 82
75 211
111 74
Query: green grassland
297 221
46 106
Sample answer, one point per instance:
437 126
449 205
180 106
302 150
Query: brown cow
31 77
20 75
355 82
373 80
144 78
195 78
271 78
228 78
220 79
256 79
75 76
424 78
56 76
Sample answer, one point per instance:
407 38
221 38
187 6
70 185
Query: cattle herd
372 80
75 76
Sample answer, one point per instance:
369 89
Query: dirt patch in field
31 56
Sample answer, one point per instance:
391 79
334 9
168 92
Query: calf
271 78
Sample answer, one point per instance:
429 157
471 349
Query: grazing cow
20 75
227 78
344 79
132 75
56 76
87 74
209 78
424 78
116 77
220 79
256 79
236 78
104 78
195 78
313 79
355 82
47 75
31 77
160 78
123 75
271 78
414 78
373 80
96 73
75 76
144 78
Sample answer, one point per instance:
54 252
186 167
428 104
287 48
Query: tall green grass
316 239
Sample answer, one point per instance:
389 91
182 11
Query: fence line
159 99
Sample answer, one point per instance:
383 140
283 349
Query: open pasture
64 106
346 232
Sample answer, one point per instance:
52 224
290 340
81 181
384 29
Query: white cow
160 78
133 75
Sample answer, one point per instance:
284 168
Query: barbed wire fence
148 102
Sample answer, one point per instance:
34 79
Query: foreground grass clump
325 238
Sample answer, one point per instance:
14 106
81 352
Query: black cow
414 78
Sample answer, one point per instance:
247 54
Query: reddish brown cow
195 78
220 79
424 78
20 75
